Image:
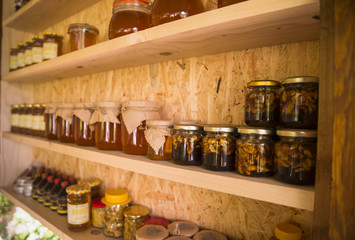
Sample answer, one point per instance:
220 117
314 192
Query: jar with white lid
83 134
159 137
64 121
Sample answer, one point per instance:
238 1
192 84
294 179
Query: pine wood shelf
245 25
49 218
264 189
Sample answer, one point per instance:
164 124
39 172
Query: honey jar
129 16
14 118
134 218
94 184
83 134
37 49
159 137
50 121
13 58
21 55
37 119
52 45
21 118
27 127
82 35
223 3
28 53
64 121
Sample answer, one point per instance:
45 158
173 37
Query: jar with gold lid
21 55
159 137
37 118
223 3
21 123
83 134
64 121
28 119
14 118
82 35
287 231
94 184
13 58
52 45
78 207
28 53
134 218
37 49
50 121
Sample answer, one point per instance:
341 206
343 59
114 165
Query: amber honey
108 136
82 35
83 135
50 126
135 142
223 3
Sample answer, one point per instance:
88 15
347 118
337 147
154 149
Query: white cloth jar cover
156 132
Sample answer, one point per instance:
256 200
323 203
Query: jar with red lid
82 35
83 134
64 121
223 3
129 16
52 45
50 130
98 213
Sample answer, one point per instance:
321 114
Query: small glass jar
295 156
42 124
27 191
82 35
28 53
64 121
164 11
223 3
209 234
13 58
50 121
21 55
187 144
255 152
52 45
117 201
94 184
14 118
83 134
152 232
219 147
134 116
299 103
129 16
262 103
287 231
78 207
21 123
183 228
37 49
37 117
134 218
158 136
98 213
28 119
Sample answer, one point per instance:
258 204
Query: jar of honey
28 53
50 121
159 137
82 35
37 49
52 45
37 116
83 134
28 119
94 184
107 125
13 58
21 118
164 11
14 118
134 116
21 55
129 16
223 3
64 121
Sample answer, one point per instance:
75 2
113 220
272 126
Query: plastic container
223 3
50 121
209 234
159 137
82 35
299 103
13 58
52 45
37 49
28 53
21 60
287 231
98 213
129 16
255 152
183 228
83 134
152 232
219 147
295 156
94 184
134 218
262 103
14 118
64 121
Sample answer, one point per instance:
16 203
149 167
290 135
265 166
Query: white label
37 54
78 214
21 59
14 119
13 62
28 121
36 120
42 123
50 50
28 57
21 122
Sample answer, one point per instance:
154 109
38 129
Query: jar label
37 54
15 119
21 59
42 123
28 121
13 62
28 57
50 50
78 214
36 121
21 122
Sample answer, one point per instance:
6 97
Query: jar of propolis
64 121
107 125
129 16
50 121
295 156
219 147
262 103
78 207
164 11
52 45
187 144
83 134
159 137
14 118
134 117
98 213
37 49
94 184
13 58
134 218
299 102
223 3
82 35
255 152
21 55
28 53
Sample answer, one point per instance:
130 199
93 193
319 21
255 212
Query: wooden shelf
38 15
264 189
245 25
50 219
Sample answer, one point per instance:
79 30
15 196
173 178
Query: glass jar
83 134
134 218
37 49
164 11
223 3
129 16
82 35
50 123
14 118
287 231
262 103
37 118
62 199
13 58
53 196
98 213
64 121
21 55
107 125
52 45
158 135
219 147
295 156
299 103
21 118
152 232
78 204
209 234
42 124
28 53
134 116
255 152
116 200
187 144
27 119
183 228
94 184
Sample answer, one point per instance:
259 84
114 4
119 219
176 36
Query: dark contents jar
134 218
37 49
187 144
64 121
299 103
82 35
14 118
52 45
262 103
223 3
164 11
129 16
255 152
83 134
219 147
159 138
50 130
13 58
295 156
94 184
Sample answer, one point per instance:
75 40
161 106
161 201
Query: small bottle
28 53
62 199
13 58
41 186
48 189
287 231
36 183
52 45
53 196
37 49
21 55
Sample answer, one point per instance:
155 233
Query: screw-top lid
15 106
64 184
307 133
97 203
78 189
52 34
36 105
220 128
136 211
36 37
50 178
116 197
287 231
264 83
191 127
28 105
66 177
44 175
255 130
57 180
300 79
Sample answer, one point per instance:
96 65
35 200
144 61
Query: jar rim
138 2
300 79
193 127
136 211
264 83
220 128
307 133
255 130
82 27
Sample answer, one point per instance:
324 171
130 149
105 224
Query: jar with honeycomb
159 137
64 121
82 35
83 134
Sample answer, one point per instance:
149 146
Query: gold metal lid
15 106
28 105
297 133
78 189
136 211
220 128
22 105
36 37
300 79
36 105
264 83
255 130
189 127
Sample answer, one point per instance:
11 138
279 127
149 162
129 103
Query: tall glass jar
50 121
52 45
64 121
134 116
82 35
187 144
164 11
28 119
21 55
262 103
13 58
295 156
134 218
28 53
83 134
37 49
14 118
299 103
255 152
219 147
129 16
159 137
223 3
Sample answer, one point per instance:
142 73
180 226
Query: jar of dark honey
28 119
82 35
21 55
13 58
159 138
223 3
28 53
129 16
83 134
64 121
52 45
50 121
14 118
37 49
37 116
164 11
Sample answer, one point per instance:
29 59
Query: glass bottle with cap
21 55
48 189
134 218
83 134
82 35
50 121
255 152
62 208
295 156
42 185
159 137
64 121
98 213
28 53
52 45
116 201
94 184
53 196
223 3
13 58
14 118
287 231
37 49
